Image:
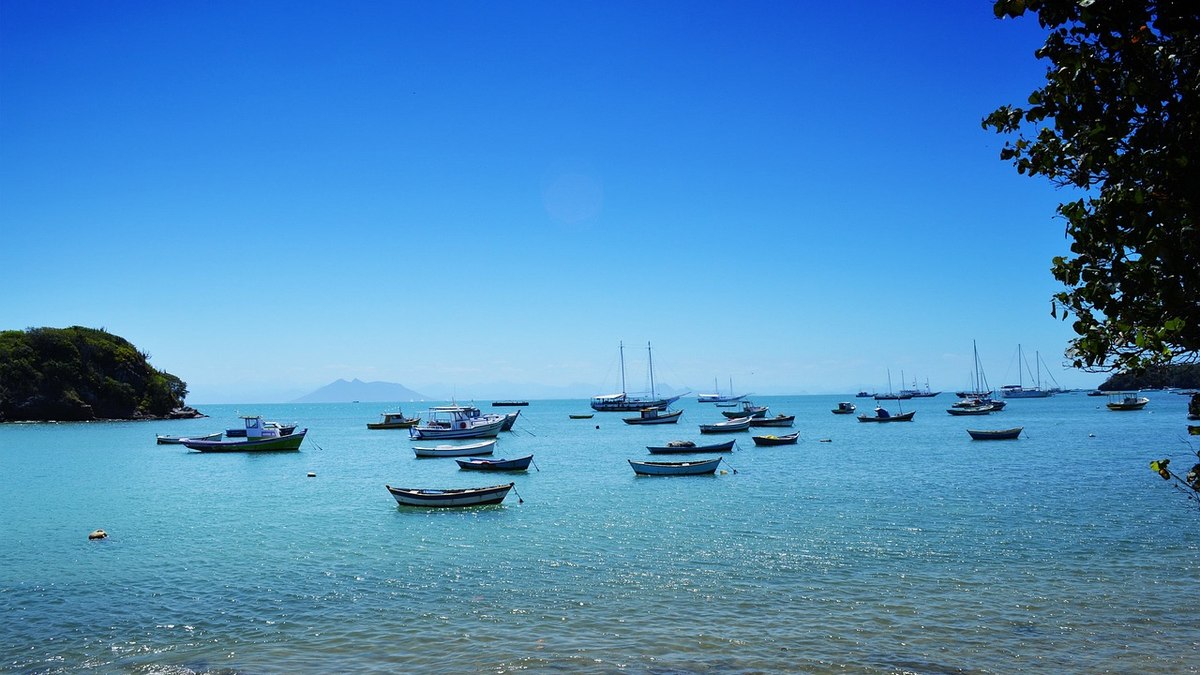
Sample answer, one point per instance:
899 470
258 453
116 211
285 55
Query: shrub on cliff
80 373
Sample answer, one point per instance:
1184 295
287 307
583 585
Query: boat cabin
257 428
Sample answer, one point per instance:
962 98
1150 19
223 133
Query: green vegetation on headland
1176 376
80 374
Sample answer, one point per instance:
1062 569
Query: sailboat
920 393
1019 390
889 396
977 400
719 397
979 386
623 402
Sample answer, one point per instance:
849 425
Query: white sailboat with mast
718 397
623 402
1019 390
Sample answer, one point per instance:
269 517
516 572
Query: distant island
342 391
82 374
1176 376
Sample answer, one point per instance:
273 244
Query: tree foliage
80 373
1119 120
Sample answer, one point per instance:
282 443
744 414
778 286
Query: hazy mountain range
343 391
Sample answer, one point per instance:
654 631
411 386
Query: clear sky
483 199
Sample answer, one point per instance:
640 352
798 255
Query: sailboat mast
622 366
650 354
1020 366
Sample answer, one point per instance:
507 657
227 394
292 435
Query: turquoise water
891 548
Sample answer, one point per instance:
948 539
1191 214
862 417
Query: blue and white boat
488 464
450 497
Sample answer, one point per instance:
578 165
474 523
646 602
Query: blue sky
483 199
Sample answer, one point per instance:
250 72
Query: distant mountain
342 391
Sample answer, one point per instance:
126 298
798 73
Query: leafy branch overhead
1118 122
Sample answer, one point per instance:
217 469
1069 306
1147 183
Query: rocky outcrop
83 374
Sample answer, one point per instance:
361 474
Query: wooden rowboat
748 410
694 468
776 421
789 439
453 497
178 440
687 447
995 435
483 464
985 409
729 426
471 449
654 416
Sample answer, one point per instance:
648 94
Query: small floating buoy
312 474
597 426
98 534
724 472
1091 435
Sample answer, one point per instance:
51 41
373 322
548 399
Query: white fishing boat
455 421
446 450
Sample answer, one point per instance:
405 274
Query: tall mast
1020 366
651 356
622 366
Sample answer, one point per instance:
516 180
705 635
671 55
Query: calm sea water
889 548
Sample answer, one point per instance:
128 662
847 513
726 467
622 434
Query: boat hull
973 410
995 434
696 468
479 464
480 430
732 426
291 442
654 417
485 448
778 421
902 417
394 425
178 440
447 498
625 404
789 439
727 446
